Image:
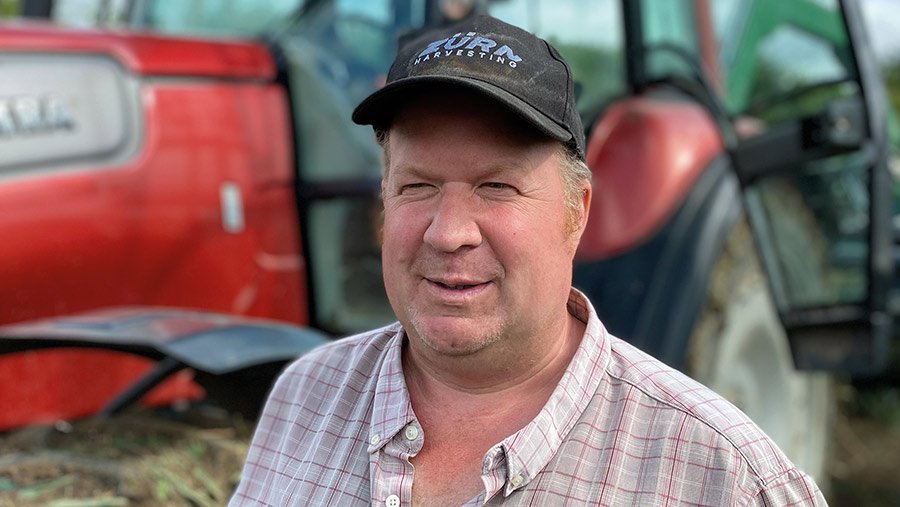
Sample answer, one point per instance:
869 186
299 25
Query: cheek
402 235
537 244
514 243
394 253
527 229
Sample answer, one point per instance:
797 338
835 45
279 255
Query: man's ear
578 220
586 195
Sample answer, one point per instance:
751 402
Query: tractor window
351 43
814 226
813 220
336 54
587 34
752 54
773 87
219 18
212 17
767 66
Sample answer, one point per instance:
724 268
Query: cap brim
379 108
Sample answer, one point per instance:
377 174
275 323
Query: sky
883 19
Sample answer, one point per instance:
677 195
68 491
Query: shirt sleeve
791 489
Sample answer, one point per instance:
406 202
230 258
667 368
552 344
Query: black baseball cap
517 69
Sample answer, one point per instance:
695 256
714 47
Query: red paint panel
644 155
147 54
150 232
49 385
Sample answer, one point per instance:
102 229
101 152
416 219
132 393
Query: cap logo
471 45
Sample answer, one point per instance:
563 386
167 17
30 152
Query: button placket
391 472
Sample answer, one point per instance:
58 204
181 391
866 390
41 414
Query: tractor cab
790 94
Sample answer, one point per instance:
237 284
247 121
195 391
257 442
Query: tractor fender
651 294
645 154
665 196
234 358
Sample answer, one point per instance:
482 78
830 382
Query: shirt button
411 432
517 481
375 439
392 501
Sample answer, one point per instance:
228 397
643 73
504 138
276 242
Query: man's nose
453 225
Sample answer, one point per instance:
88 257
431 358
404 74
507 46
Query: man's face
476 249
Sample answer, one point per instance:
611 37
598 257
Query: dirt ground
865 470
194 458
142 459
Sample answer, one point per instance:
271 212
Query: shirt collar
530 449
391 407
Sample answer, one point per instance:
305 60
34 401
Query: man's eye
414 187
497 186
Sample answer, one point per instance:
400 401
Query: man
499 385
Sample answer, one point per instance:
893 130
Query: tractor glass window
221 18
751 55
587 34
215 17
802 51
336 54
769 66
814 228
812 219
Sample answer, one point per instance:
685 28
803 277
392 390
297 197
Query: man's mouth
458 290
456 285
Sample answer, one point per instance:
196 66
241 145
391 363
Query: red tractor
199 160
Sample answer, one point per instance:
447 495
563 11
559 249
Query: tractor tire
739 349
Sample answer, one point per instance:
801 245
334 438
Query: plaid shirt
621 428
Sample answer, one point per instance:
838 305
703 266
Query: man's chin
455 337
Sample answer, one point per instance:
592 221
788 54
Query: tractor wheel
740 350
